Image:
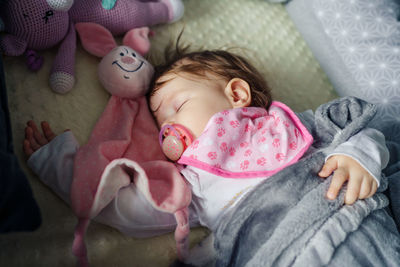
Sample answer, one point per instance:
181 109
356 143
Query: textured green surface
261 30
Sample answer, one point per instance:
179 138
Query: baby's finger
329 166
27 148
338 179
374 187
32 125
39 138
31 139
353 190
48 132
366 186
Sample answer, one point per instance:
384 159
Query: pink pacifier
174 139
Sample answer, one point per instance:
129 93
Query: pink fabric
122 71
78 246
249 142
99 41
95 39
182 233
123 149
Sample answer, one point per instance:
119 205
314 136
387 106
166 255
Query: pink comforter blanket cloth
123 149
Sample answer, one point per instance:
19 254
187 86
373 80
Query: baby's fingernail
330 195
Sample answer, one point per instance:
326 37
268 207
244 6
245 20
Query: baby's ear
238 92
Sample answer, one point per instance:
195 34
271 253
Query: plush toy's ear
96 39
60 5
138 39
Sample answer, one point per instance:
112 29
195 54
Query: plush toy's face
35 22
125 73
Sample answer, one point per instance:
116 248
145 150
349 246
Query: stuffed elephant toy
33 25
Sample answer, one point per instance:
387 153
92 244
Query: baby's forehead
186 69
166 77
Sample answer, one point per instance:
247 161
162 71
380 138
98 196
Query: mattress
259 30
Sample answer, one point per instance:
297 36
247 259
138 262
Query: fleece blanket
287 221
261 31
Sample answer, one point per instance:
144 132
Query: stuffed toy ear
60 5
138 39
96 39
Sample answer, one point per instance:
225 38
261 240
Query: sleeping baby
219 124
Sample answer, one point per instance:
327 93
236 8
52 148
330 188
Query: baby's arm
358 161
51 157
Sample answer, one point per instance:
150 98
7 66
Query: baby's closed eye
180 106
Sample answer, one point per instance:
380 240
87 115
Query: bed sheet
260 30
357 44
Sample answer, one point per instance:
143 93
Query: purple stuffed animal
32 25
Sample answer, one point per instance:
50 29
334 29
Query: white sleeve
54 164
368 148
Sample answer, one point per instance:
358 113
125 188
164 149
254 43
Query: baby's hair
218 62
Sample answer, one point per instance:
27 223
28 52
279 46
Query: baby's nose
128 60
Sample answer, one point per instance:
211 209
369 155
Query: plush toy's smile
122 68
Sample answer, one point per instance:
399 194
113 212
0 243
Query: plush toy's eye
121 54
25 15
47 15
133 54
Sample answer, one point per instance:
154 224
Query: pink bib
249 142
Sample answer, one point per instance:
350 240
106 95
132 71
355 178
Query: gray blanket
287 221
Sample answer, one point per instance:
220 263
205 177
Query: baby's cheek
198 127
168 114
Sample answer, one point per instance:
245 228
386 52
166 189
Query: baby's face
189 100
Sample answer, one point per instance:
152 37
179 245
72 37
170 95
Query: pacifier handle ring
161 135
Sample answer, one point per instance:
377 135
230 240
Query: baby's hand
34 139
361 184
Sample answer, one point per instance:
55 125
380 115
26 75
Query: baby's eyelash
183 103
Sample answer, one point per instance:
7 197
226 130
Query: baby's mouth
174 139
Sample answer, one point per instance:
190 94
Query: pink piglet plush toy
123 147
